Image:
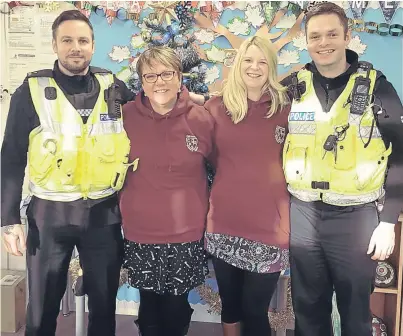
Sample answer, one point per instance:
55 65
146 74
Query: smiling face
254 69
161 84
327 41
74 47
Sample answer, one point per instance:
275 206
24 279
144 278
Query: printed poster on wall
29 41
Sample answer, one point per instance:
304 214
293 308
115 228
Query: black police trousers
50 243
328 250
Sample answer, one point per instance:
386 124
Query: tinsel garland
75 272
280 319
211 297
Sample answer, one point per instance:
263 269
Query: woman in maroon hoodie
248 220
164 202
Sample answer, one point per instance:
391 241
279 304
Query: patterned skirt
165 268
247 254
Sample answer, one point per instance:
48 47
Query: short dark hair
326 8
68 15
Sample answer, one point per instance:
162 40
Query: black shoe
152 330
178 327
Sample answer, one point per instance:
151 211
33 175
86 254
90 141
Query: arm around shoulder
126 94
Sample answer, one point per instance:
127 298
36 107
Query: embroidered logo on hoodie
279 134
192 143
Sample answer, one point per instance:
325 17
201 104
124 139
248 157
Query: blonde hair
163 55
235 93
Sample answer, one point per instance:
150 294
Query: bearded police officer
77 158
342 156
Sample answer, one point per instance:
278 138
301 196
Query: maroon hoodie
166 199
249 197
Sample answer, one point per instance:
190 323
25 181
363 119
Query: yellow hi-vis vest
351 174
68 159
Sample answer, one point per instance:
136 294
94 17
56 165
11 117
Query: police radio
360 94
113 98
297 88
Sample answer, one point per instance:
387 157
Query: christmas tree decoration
165 10
183 12
146 36
211 297
175 37
189 57
282 318
157 34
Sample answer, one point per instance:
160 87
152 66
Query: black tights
245 297
163 314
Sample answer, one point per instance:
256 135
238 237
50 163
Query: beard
75 68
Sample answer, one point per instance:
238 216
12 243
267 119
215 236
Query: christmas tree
171 25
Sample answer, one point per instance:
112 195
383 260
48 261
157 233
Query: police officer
77 156
343 154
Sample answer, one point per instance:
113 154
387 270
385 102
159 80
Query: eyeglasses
166 76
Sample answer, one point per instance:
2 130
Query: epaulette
297 88
365 65
41 73
99 70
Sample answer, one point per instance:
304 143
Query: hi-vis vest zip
68 159
353 173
